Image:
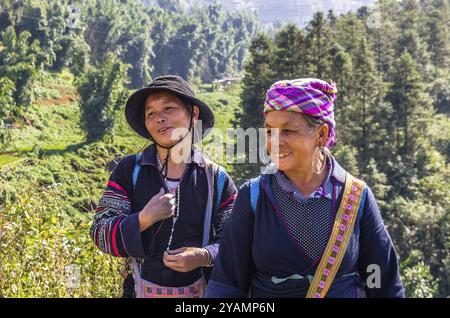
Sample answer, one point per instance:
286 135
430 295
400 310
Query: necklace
177 205
175 216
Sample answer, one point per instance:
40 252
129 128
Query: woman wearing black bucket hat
164 209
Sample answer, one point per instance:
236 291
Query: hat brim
135 116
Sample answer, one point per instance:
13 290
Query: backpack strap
217 177
137 168
254 192
220 184
210 176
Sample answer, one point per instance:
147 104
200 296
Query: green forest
68 67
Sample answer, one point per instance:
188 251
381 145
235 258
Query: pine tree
365 88
409 102
258 78
348 30
341 74
437 33
289 56
412 112
382 35
318 39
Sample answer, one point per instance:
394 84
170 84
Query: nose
160 119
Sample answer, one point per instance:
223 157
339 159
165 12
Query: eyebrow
269 126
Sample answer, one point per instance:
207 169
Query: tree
412 111
437 34
410 102
183 53
318 37
377 181
289 56
348 31
382 35
74 54
123 28
163 29
258 78
366 85
6 104
341 74
20 61
102 92
245 26
439 91
346 155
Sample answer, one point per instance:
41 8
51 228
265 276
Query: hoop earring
316 158
264 154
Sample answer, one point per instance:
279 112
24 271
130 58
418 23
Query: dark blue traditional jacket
115 229
257 246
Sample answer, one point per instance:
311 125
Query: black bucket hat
134 109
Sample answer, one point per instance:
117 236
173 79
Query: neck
179 157
305 179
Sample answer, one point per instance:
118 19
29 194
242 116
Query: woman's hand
186 259
160 207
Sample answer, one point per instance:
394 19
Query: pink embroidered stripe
223 204
116 186
113 238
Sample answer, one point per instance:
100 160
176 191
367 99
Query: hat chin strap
165 166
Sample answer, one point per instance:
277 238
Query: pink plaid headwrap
309 96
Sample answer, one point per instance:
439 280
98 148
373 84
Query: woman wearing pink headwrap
310 229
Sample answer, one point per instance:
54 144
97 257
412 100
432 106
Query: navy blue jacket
255 246
115 229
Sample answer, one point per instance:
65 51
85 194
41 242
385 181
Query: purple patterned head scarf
309 96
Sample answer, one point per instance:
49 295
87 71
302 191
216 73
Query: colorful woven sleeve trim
106 231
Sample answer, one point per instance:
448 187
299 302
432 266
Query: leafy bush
45 255
418 281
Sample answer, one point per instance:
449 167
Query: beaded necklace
177 204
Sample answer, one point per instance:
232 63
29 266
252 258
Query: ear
195 113
323 134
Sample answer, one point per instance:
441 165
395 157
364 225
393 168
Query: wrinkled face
296 140
167 118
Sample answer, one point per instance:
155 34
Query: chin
284 166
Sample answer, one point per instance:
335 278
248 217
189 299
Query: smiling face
297 140
165 112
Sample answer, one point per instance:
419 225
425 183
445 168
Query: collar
149 157
324 190
338 173
335 173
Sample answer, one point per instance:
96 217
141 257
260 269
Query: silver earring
264 155
316 158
